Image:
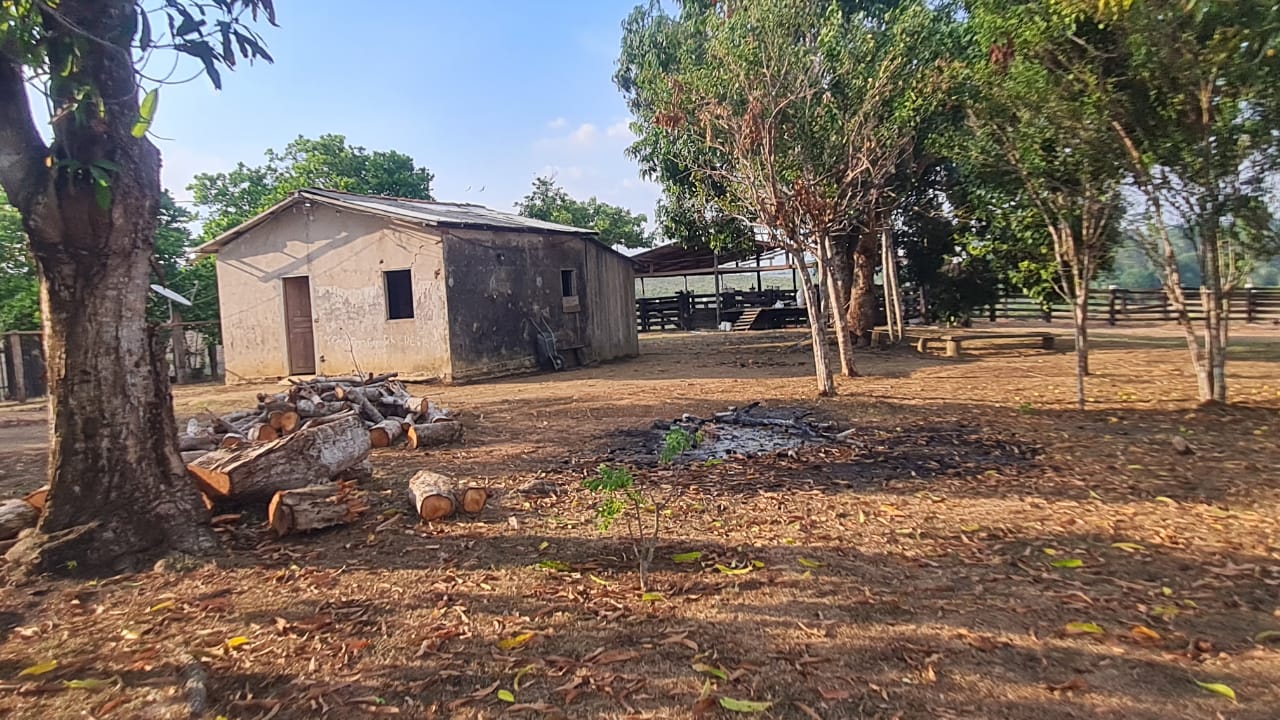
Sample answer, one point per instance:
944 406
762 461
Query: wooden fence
1114 306
22 364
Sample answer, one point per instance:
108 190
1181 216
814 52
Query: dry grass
926 589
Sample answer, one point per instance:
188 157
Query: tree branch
22 150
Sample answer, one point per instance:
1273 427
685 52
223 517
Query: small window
399 294
568 284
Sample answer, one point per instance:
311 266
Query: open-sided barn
328 282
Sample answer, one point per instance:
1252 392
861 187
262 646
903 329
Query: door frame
288 335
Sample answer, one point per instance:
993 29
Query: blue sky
484 94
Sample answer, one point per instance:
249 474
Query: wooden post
715 271
759 280
19 389
1250 303
1114 295
178 339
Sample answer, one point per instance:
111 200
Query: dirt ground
979 549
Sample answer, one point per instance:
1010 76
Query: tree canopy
329 162
614 225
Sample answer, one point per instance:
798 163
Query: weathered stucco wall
498 282
344 254
611 295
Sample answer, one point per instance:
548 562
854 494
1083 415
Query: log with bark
285 420
190 456
434 434
432 495
261 432
436 496
15 516
196 442
385 433
307 457
312 408
314 507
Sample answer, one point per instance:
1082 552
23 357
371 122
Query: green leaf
1084 628
1267 636
687 557
506 696
806 562
710 670
102 194
554 565
518 641
89 684
1068 563
732 571
515 684
146 112
1219 688
651 597
39 668
744 706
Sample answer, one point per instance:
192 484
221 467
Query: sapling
630 498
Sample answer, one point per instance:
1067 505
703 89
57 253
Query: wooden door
297 322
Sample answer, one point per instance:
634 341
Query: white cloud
557 123
621 130
584 137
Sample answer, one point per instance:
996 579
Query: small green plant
629 498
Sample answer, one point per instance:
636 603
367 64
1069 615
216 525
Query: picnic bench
953 341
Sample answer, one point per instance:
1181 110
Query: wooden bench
952 342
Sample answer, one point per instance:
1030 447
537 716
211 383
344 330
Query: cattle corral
910 572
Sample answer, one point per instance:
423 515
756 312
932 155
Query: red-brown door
297 320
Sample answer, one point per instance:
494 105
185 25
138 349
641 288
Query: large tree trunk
118 489
862 296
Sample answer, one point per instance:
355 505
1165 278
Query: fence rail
1114 306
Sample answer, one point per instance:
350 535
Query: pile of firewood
300 451
387 409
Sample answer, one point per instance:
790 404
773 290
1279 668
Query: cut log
307 457
231 440
385 433
16 516
314 507
366 408
310 409
472 500
434 434
405 405
275 418
262 432
190 456
290 420
37 498
196 442
432 495
318 421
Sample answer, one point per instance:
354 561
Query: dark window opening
568 286
399 294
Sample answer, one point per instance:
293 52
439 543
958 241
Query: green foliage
19 285
230 198
614 225
625 497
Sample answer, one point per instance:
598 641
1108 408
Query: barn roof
435 214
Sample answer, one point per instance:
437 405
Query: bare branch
22 150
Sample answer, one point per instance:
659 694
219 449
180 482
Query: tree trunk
257 472
118 489
1211 294
1080 315
434 434
862 297
817 328
432 495
314 507
837 299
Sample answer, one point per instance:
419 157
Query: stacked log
436 496
17 515
257 471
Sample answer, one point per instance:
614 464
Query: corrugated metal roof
438 214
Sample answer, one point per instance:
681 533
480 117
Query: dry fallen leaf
512 643
1218 688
